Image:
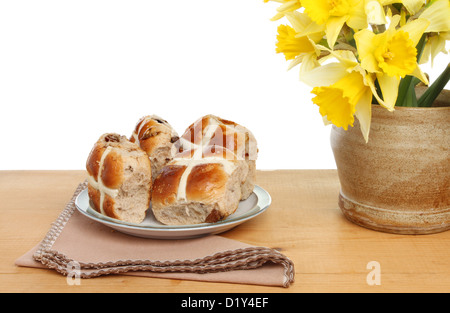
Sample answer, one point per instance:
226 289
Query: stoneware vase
398 182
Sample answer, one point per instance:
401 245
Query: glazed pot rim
374 105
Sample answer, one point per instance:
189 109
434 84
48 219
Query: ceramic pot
398 182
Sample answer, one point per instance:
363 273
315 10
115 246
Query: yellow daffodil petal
334 106
309 63
387 2
397 57
438 46
326 122
363 112
285 7
420 75
333 28
415 29
276 17
438 13
357 15
346 58
334 14
320 11
299 21
304 26
364 39
295 62
375 13
339 7
289 6
389 88
291 46
393 24
413 6
434 46
366 43
317 10
338 101
313 30
324 75
369 79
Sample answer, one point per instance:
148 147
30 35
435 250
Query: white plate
257 203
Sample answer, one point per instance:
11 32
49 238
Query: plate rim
264 200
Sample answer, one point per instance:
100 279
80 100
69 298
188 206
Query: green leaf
427 99
420 47
411 98
406 92
378 90
405 96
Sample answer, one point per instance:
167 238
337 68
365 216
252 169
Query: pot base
396 222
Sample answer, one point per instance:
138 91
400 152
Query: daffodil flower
334 14
435 45
342 91
375 12
438 14
290 45
413 6
338 102
391 56
286 6
375 9
299 48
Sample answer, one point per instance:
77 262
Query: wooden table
330 253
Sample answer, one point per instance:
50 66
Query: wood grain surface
330 253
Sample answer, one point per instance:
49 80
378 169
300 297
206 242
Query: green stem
421 47
406 90
427 99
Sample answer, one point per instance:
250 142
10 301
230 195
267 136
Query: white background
73 70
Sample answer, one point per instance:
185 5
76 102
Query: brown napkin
97 250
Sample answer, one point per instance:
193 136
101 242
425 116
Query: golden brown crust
94 195
165 186
109 207
156 137
93 160
228 134
110 166
207 152
151 132
225 137
218 151
112 173
149 136
205 182
227 122
194 133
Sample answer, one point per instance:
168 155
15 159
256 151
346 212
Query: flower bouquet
357 52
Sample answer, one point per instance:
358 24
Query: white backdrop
73 70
